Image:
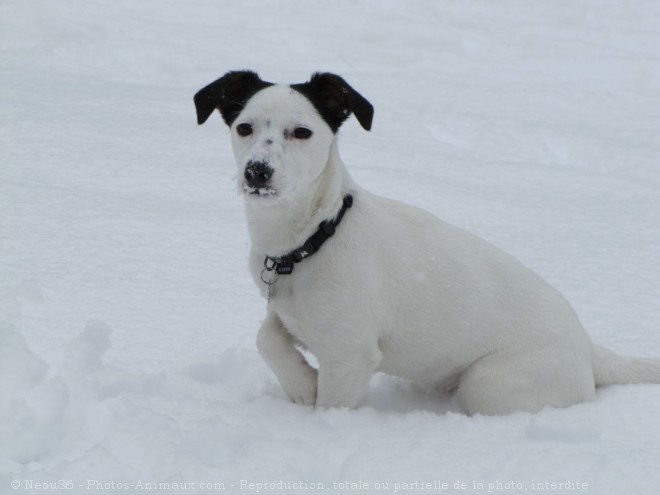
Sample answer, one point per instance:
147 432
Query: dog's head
281 134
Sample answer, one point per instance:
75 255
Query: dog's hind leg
277 347
505 382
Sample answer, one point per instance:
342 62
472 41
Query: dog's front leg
276 346
343 382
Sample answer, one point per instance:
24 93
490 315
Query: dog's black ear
335 100
229 94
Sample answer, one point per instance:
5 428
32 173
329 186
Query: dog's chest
301 325
294 304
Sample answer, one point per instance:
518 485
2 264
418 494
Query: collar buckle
327 227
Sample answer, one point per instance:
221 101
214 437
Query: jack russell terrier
369 284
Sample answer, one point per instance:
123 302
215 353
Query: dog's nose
257 174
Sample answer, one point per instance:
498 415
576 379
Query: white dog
369 284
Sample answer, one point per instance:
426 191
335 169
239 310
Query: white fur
397 290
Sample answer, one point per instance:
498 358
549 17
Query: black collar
283 265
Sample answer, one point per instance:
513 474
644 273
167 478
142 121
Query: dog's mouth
263 192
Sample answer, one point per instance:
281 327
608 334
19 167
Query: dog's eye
302 133
244 129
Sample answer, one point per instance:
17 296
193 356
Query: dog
369 284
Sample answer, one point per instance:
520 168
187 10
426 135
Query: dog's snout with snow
257 177
370 284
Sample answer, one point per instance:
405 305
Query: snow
127 316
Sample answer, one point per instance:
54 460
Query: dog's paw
301 389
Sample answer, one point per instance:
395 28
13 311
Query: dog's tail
611 368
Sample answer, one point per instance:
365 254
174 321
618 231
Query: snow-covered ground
127 317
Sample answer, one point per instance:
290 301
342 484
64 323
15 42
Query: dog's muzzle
257 174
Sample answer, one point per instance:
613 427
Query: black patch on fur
335 100
229 94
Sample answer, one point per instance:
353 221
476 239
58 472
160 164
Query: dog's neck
277 229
